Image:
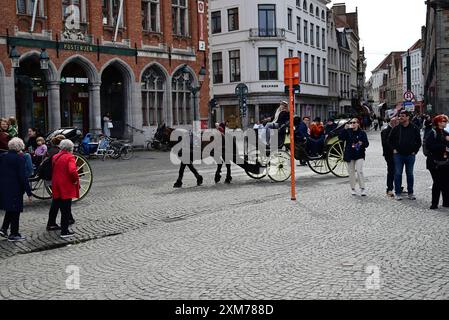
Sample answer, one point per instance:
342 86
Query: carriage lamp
44 59
14 55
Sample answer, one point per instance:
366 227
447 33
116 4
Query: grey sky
387 25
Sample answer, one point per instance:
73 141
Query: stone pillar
256 113
54 108
95 108
9 99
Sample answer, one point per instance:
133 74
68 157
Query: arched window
317 12
153 84
311 8
304 5
323 15
181 99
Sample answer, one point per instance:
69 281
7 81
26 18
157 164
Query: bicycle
109 147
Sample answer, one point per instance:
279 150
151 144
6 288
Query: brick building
435 53
123 57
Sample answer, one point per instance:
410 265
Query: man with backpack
405 139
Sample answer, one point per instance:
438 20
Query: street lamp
194 90
14 55
44 59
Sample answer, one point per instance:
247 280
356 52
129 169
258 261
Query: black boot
199 181
217 177
228 180
178 184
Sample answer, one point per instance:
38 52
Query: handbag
110 125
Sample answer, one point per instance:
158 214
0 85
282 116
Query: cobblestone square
138 238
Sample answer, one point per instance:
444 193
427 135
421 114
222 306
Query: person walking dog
65 184
13 184
356 144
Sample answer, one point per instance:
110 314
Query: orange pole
292 134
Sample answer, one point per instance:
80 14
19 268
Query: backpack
425 150
45 170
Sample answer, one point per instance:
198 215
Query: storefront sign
201 11
74 80
78 47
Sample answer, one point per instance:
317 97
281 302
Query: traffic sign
409 96
409 106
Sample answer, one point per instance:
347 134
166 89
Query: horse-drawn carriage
41 189
276 164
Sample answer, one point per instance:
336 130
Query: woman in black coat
356 144
13 184
437 143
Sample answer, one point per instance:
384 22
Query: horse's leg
178 183
218 173
228 173
199 178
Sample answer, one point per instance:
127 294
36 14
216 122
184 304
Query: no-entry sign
409 96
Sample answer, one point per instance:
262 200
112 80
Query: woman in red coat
65 184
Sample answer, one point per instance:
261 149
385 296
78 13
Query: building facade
416 74
435 37
138 60
249 42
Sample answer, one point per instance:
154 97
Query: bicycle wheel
126 152
319 166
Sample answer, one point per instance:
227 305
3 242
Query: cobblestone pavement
137 238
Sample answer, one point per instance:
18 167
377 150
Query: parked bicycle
106 147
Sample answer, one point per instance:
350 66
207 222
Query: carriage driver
280 121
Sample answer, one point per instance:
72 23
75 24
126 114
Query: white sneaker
398 198
353 192
411 197
363 194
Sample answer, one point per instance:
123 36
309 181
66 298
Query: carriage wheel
40 189
85 175
256 156
319 166
279 169
335 160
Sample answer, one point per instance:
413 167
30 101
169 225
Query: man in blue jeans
405 139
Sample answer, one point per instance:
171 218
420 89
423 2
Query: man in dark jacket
405 139
388 154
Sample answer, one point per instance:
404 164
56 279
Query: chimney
339 8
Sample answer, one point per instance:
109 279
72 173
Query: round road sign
409 96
